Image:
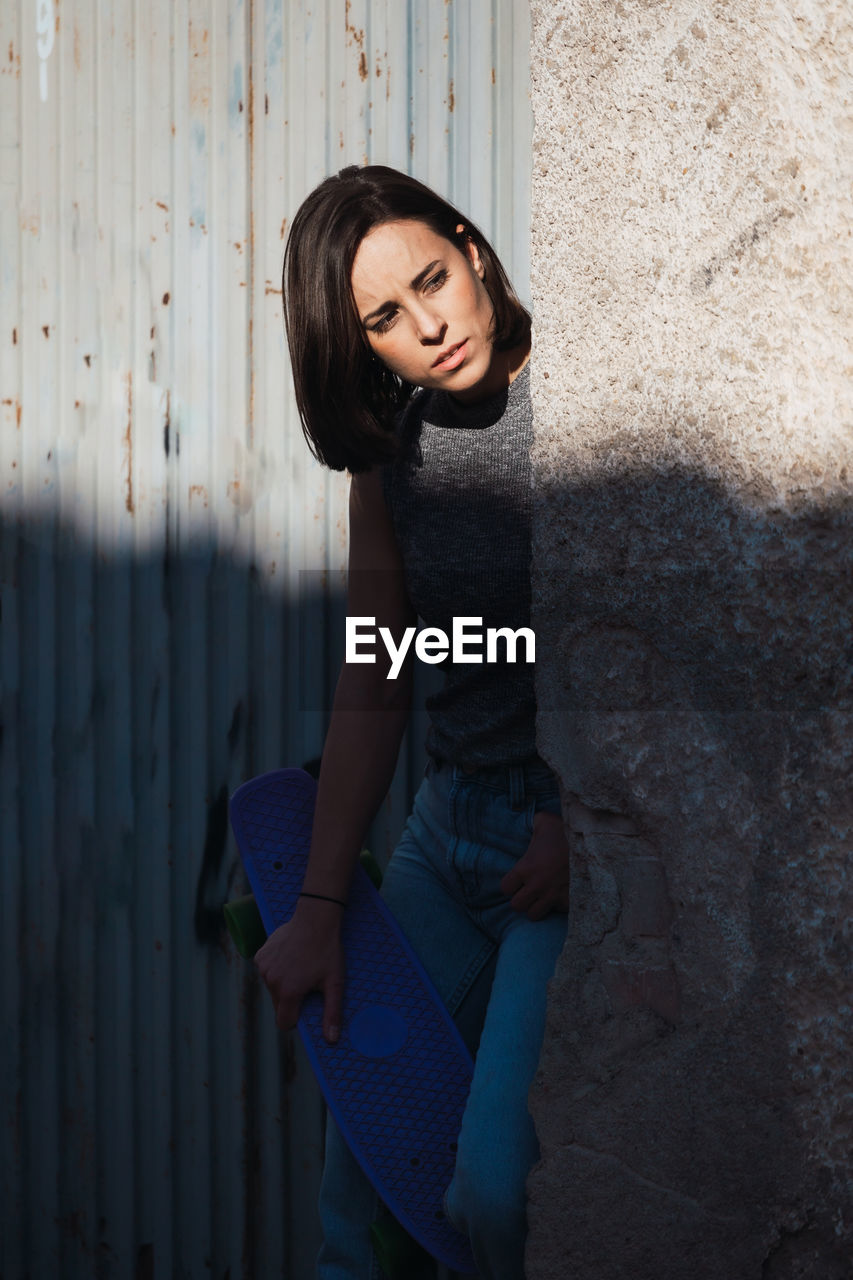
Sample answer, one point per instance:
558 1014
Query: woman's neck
503 371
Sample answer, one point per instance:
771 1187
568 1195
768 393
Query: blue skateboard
398 1079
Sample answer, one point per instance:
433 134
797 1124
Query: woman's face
425 310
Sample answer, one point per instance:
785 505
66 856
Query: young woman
389 289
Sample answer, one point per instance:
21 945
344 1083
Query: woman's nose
429 324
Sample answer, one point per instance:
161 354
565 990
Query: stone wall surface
693 306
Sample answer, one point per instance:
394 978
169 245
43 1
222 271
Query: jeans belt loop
516 786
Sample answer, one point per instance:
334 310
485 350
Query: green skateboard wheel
245 925
399 1256
372 868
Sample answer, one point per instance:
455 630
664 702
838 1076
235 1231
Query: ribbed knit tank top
459 496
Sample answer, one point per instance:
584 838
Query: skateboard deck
398 1078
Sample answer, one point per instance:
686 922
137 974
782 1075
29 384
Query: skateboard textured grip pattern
398 1078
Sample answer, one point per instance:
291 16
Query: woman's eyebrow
415 284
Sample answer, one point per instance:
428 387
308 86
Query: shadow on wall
152 1117
695 678
694 665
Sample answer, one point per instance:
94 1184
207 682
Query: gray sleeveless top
459 496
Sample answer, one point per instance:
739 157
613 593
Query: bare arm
368 720
370 712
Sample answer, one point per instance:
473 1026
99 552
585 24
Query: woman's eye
436 281
384 323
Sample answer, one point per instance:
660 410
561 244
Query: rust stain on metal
494 80
17 404
199 89
14 337
356 36
270 288
353 32
128 440
241 498
14 67
198 491
88 361
161 205
46 330
451 97
165 299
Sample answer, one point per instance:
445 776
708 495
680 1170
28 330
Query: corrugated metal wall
169 558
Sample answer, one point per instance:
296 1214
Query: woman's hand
306 955
539 882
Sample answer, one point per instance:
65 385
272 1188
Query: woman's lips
454 357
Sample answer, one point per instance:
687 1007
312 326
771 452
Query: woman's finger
512 882
287 1012
525 899
333 999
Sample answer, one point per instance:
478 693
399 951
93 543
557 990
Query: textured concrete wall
693 298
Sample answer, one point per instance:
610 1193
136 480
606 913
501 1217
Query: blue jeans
491 967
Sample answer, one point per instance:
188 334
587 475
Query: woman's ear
471 252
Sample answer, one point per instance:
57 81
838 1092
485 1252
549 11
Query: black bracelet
322 897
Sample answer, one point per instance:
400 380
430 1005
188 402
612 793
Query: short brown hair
346 397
